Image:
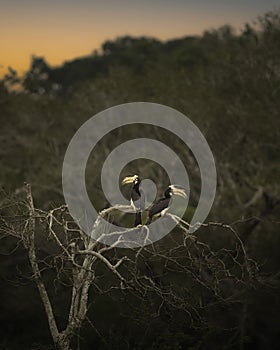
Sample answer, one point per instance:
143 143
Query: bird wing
159 206
138 199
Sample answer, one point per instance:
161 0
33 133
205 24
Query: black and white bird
137 197
162 206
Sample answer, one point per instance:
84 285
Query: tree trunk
62 342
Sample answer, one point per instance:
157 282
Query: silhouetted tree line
144 54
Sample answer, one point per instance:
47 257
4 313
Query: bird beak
179 192
128 180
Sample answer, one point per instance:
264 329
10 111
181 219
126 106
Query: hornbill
137 197
162 206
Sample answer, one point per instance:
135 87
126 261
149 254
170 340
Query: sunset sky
64 29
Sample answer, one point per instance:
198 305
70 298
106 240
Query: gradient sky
64 29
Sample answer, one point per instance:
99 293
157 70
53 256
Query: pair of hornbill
137 199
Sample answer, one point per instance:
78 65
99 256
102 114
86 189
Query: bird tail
138 218
149 220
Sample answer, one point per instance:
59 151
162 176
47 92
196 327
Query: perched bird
162 206
137 197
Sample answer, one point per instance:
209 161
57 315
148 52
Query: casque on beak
129 179
179 191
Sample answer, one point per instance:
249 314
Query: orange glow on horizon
63 42
60 32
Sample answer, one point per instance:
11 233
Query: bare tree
213 278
